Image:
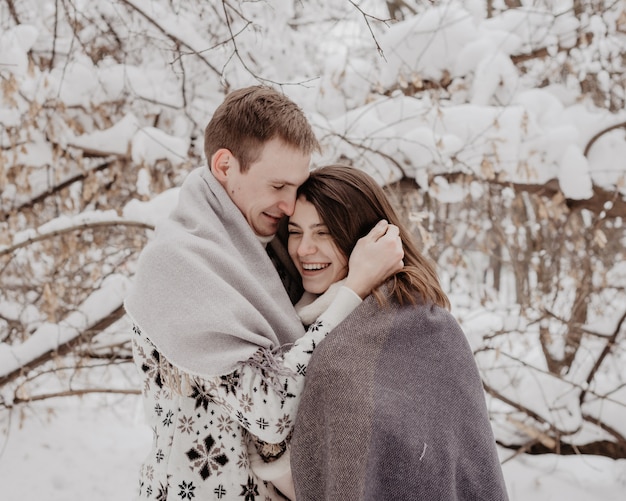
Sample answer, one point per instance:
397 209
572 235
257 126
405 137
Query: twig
236 48
527 411
54 38
572 384
366 17
74 393
605 352
600 134
172 37
523 449
13 11
621 439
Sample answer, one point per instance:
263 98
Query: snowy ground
75 449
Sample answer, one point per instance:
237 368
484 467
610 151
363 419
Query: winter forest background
498 127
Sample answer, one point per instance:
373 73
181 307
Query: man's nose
287 205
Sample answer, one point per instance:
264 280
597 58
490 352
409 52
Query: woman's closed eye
293 230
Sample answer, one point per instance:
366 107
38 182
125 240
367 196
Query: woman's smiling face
314 252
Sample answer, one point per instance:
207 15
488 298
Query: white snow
495 123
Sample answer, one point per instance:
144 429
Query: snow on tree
498 128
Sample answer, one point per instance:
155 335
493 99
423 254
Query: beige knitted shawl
206 292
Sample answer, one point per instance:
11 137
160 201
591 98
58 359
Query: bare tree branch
600 134
73 393
525 410
608 347
70 229
13 11
595 204
67 347
55 189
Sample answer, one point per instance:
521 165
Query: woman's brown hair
350 203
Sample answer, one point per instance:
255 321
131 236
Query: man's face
267 191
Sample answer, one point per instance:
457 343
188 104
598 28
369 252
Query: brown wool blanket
393 409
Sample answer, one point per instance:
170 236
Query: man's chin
265 234
267 230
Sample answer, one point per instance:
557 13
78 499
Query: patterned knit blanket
206 292
393 408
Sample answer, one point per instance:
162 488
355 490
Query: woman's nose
306 247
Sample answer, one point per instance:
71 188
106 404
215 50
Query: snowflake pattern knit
201 427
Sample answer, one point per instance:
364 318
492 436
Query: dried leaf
599 238
487 169
533 433
50 302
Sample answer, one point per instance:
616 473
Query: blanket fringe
267 363
178 381
270 366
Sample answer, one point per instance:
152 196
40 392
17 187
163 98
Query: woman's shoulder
428 324
423 311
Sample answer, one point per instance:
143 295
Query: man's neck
264 239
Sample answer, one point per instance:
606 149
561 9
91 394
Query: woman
393 405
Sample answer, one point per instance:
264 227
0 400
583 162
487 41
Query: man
210 311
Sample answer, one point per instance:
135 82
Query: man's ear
221 161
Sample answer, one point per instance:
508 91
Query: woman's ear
221 161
